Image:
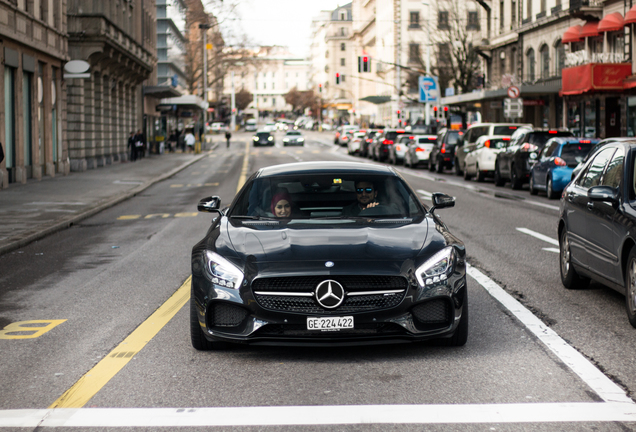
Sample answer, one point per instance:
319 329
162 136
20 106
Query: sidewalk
31 211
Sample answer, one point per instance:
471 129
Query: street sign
513 108
513 92
429 89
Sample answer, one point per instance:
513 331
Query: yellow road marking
246 160
93 381
33 328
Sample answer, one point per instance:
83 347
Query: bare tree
294 98
242 99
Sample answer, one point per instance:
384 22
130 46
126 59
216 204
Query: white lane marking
539 236
425 194
321 415
555 250
592 376
540 204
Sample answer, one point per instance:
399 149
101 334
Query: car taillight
443 149
387 142
369 140
398 147
559 162
552 132
337 134
506 138
419 149
527 147
585 141
487 144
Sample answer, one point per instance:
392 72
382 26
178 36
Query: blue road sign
429 90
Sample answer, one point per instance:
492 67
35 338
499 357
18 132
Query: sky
283 22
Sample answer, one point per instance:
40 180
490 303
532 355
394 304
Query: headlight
301 139
437 268
222 272
255 138
270 138
285 139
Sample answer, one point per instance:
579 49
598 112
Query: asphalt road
539 357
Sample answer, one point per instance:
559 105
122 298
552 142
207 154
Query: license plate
330 323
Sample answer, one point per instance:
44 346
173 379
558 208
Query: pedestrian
140 144
228 135
190 140
172 141
132 149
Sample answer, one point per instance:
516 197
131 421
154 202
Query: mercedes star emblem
330 294
329 264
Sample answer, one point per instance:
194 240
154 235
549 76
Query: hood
285 249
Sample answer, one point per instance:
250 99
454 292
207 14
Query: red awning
630 16
594 76
611 22
590 29
573 34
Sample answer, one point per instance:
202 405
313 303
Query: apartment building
34 50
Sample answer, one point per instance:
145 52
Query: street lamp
428 57
205 27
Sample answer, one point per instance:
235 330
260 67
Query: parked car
381 143
355 143
442 154
269 127
308 272
264 138
341 131
368 140
398 150
293 137
514 163
596 224
602 143
218 127
419 150
347 136
480 160
250 125
553 169
466 144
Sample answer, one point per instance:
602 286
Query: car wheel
458 171
549 188
481 175
498 180
569 277
466 175
533 191
440 167
431 165
407 161
199 341
630 287
460 337
515 181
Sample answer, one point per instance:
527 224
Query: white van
250 125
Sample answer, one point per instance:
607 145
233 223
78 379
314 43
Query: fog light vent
226 315
432 312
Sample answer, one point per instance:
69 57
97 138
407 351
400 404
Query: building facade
34 49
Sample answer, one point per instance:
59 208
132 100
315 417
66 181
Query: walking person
228 135
140 144
190 140
132 150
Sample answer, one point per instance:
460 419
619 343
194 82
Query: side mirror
209 204
441 200
603 193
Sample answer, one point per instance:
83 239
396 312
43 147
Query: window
264 86
343 46
545 62
414 20
530 62
502 64
501 14
592 176
560 57
342 61
326 54
343 15
273 86
442 20
513 14
614 173
414 53
343 31
444 54
473 20
529 10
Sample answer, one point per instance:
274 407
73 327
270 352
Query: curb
43 231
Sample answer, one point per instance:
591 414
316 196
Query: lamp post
205 28
428 58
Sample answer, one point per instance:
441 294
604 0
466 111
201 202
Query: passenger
282 205
366 194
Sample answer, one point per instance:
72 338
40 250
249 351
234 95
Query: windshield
540 138
326 197
453 137
262 134
426 140
574 153
504 130
293 133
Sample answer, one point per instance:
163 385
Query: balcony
582 57
586 9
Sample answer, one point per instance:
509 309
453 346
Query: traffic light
364 64
319 88
337 77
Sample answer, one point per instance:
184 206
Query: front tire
460 337
481 175
440 166
533 191
569 277
549 189
515 181
630 287
467 176
458 170
498 180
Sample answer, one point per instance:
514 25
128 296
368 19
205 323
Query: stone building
33 50
118 40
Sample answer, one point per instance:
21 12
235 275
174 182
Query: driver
366 194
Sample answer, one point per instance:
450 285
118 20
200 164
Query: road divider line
246 163
96 378
605 388
540 236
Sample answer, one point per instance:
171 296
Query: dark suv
443 151
515 161
379 148
262 138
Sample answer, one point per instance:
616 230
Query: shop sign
533 102
593 76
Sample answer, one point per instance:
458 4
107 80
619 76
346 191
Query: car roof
487 137
326 167
565 140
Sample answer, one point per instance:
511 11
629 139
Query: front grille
352 285
432 314
225 315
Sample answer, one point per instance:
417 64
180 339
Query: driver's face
365 192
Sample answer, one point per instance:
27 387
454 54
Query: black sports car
327 253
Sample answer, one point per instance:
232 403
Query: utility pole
233 104
205 28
